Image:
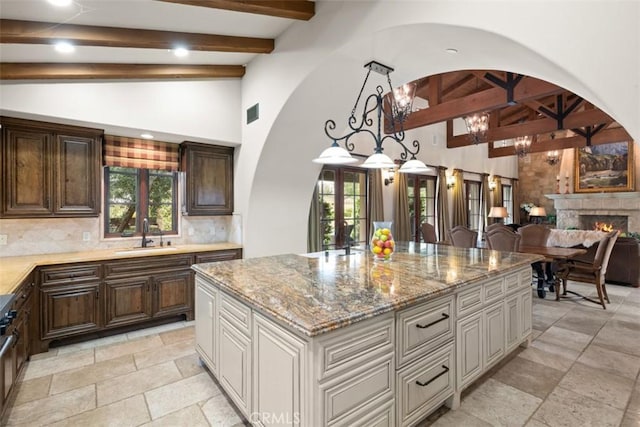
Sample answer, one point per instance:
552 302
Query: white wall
316 70
173 110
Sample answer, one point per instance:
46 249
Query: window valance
140 153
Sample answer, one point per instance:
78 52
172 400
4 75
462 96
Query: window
132 194
343 206
507 202
421 191
472 194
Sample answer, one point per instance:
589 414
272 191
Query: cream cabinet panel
279 374
512 321
469 349
381 416
526 312
494 334
206 317
235 365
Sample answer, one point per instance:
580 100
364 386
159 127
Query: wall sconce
451 181
553 157
492 184
389 174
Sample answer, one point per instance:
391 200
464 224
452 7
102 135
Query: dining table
555 254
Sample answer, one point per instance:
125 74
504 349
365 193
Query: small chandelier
398 107
477 126
522 145
553 157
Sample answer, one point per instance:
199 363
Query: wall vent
253 113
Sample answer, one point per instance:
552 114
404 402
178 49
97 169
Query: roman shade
140 153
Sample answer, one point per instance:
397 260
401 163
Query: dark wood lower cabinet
71 309
92 298
127 301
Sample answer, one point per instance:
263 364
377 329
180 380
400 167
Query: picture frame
604 168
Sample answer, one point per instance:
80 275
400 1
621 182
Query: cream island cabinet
330 340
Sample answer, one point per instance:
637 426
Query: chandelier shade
477 126
395 108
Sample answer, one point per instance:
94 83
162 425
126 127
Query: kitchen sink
151 249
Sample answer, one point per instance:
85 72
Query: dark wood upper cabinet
209 179
49 170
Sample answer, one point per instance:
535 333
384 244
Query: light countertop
13 270
316 293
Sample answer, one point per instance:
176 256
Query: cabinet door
235 366
279 369
494 337
526 310
469 349
512 321
76 176
69 310
209 179
172 293
26 173
127 301
206 324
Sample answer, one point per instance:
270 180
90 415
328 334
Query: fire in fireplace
604 222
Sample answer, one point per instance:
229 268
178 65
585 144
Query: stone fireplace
582 210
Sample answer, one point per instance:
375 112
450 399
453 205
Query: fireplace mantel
570 206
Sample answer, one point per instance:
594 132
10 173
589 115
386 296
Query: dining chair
500 239
428 233
593 272
463 237
537 235
496 226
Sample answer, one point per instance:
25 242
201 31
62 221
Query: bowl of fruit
382 243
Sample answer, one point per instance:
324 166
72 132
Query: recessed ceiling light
451 50
180 52
64 47
146 136
60 2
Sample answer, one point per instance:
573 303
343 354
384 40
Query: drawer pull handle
445 316
434 378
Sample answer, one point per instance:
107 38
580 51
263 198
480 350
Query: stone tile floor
580 370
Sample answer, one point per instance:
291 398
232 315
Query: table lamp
537 213
498 212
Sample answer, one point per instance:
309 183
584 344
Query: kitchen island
328 339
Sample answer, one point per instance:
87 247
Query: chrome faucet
145 230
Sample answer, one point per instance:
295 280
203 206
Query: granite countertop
316 293
14 269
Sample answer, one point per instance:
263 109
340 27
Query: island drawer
64 274
424 385
344 350
421 328
469 301
133 267
512 282
493 290
236 313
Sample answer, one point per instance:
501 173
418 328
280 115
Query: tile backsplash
54 235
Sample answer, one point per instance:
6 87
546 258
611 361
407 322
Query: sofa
624 263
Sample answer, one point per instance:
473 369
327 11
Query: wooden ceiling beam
44 71
292 9
603 137
534 127
32 32
486 100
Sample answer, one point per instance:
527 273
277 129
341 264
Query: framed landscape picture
604 168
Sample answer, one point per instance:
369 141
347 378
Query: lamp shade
537 211
414 166
378 161
498 212
335 155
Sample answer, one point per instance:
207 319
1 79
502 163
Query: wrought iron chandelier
398 107
477 126
522 144
553 157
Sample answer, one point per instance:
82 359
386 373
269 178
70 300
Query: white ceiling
142 14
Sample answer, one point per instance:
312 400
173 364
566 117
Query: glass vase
382 243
